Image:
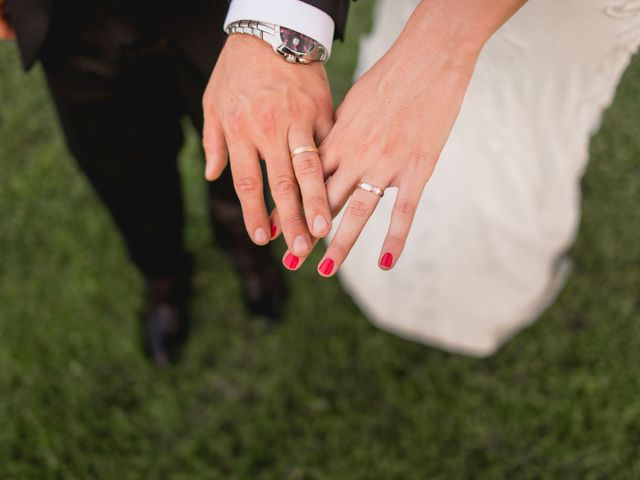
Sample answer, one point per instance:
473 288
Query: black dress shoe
165 321
263 284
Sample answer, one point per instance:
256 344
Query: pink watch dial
296 42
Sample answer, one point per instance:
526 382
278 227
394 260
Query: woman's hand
394 122
6 31
388 133
258 106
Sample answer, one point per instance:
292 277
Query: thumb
215 148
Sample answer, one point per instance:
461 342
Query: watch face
296 42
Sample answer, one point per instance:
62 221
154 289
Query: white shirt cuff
293 14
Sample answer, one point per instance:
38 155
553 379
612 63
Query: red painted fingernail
326 267
274 230
291 261
386 261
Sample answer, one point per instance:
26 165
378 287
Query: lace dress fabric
486 254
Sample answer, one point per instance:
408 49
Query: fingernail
208 171
300 245
260 235
386 261
319 224
291 261
274 230
326 267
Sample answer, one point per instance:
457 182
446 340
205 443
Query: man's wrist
293 46
255 52
292 14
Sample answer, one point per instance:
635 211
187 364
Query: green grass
326 395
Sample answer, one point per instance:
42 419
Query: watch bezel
284 31
316 54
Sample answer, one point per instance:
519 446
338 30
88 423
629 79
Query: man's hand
6 31
258 106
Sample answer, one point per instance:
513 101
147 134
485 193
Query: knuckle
340 249
266 116
416 159
269 129
292 221
248 185
316 202
307 165
284 186
236 122
357 209
306 106
389 151
405 209
251 214
395 240
361 149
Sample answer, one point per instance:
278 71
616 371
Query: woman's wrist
459 28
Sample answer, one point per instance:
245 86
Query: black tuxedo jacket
31 20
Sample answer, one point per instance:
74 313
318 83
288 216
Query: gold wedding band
303 149
367 187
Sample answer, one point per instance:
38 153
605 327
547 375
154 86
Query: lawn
325 395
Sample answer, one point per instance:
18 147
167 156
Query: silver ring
367 187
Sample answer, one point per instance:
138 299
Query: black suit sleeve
30 20
337 9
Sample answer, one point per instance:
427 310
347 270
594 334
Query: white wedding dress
486 253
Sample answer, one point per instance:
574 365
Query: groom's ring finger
308 171
291 261
359 208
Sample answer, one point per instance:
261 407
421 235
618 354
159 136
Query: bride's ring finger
363 202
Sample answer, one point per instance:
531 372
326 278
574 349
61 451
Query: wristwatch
293 46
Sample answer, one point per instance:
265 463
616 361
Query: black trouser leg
120 86
123 128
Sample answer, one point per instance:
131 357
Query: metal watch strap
270 33
257 29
